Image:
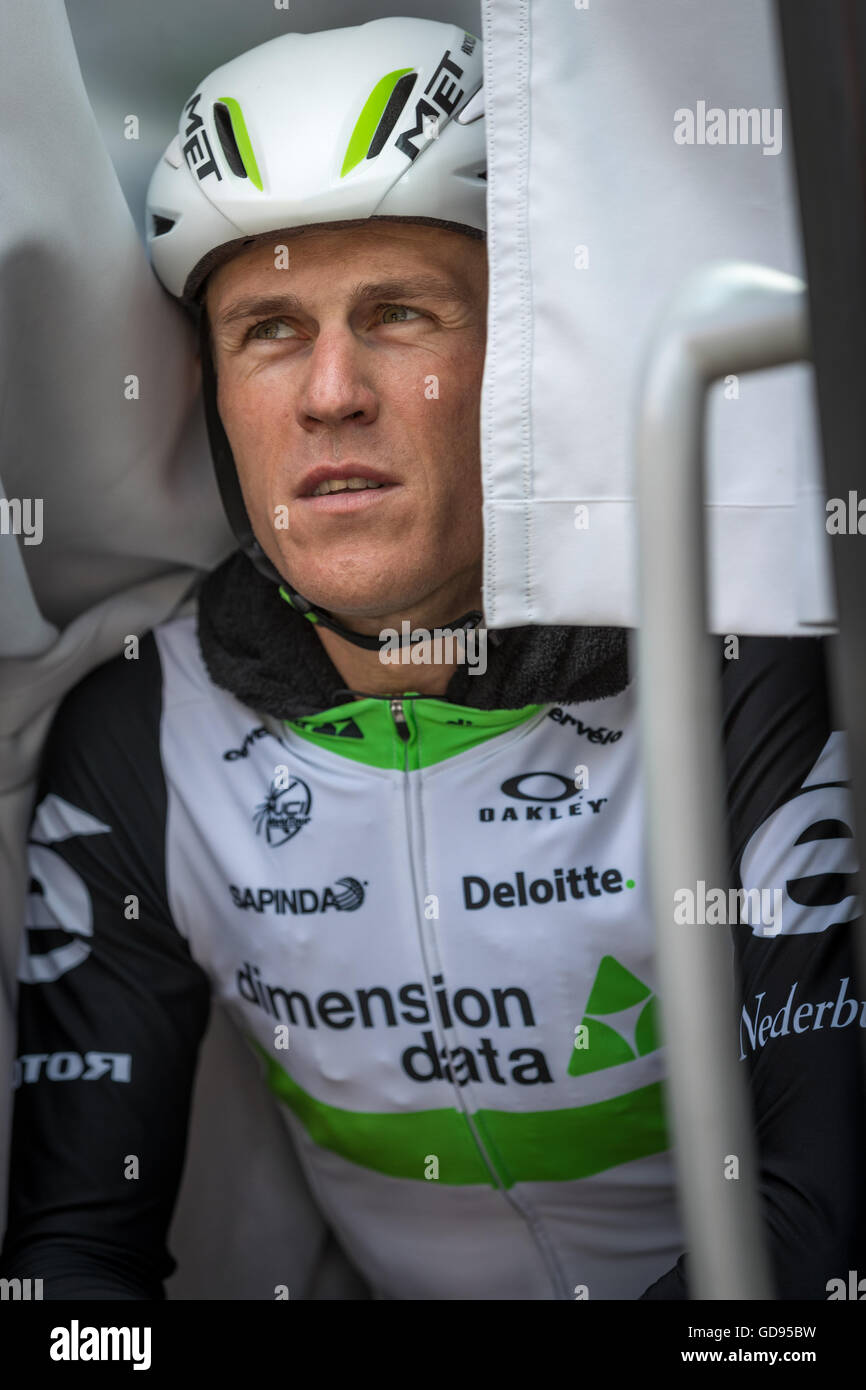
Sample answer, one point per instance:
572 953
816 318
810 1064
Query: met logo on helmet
447 97
197 150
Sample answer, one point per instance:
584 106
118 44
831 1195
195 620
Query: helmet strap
372 644
224 463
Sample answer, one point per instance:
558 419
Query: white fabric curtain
598 209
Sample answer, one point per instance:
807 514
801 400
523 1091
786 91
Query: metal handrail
728 318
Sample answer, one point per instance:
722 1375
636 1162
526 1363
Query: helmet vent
161 225
225 131
391 114
378 117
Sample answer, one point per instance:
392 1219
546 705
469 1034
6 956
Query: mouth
350 487
345 485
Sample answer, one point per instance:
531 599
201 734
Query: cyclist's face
362 357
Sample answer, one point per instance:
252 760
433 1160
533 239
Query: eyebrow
418 287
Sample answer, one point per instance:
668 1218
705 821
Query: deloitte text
441 646
379 1006
763 1024
477 892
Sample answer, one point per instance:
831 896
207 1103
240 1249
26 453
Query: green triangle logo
614 988
597 1044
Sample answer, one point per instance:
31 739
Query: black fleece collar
270 658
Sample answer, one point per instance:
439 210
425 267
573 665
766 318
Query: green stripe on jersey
538 1146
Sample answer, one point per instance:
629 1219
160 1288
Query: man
419 885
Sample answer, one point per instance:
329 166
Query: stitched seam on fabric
490 356
525 290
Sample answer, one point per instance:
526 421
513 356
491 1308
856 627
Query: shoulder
768 681
104 791
107 729
125 696
790 813
111 717
777 725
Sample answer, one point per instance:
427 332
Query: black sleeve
112 1008
801 1009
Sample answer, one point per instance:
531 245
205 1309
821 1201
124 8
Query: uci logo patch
285 810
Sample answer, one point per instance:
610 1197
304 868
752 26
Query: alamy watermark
846 518
20 1290
854 1288
22 516
717 907
422 646
77 1343
739 125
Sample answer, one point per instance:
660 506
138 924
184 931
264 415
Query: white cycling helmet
383 119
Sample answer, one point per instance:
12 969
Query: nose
337 389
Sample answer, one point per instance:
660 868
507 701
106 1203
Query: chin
345 599
355 606
364 596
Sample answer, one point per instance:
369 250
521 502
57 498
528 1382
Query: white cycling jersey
431 921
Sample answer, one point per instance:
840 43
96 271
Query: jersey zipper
538 1236
404 733
399 717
